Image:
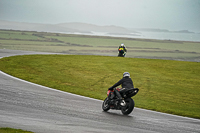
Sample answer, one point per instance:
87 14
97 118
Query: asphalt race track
40 109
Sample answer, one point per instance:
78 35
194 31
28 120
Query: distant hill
77 27
95 28
34 27
63 27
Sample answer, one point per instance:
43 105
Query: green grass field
11 130
165 85
97 45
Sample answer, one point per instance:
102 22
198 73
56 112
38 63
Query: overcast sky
163 14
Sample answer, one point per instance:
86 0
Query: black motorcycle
121 53
114 102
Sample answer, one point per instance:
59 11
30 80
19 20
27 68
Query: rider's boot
122 102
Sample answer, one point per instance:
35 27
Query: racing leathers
122 51
125 82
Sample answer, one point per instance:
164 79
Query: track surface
32 107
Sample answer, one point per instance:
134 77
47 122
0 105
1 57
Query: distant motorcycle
121 53
114 103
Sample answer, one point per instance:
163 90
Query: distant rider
122 50
126 83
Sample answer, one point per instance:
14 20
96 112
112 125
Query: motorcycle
121 53
114 102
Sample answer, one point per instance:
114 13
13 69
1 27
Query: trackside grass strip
11 130
165 85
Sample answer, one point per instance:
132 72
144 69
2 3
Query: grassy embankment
11 130
165 85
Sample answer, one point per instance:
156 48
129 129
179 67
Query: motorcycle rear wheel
129 106
105 105
120 55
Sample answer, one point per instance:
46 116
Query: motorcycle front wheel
105 105
129 106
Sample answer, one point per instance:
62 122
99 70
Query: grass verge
98 45
165 85
11 130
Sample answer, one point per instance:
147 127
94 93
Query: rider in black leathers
126 83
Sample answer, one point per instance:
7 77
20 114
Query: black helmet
126 74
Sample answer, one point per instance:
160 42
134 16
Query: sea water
194 37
